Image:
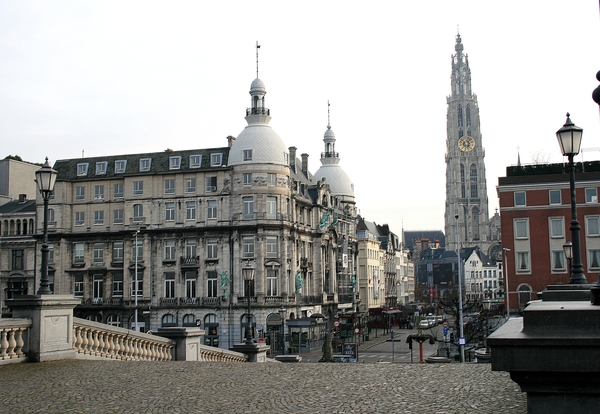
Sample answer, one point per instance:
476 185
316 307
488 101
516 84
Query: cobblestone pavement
82 386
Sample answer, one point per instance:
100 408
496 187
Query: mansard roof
16 206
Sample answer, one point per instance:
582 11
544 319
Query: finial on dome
257 47
328 123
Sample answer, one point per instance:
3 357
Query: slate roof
67 169
411 237
18 207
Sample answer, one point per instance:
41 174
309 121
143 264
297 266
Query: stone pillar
254 352
188 341
51 335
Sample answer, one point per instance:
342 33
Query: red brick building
535 214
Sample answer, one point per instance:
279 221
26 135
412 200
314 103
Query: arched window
468 116
244 323
95 318
473 178
189 320
168 320
475 223
113 320
462 182
459 114
524 292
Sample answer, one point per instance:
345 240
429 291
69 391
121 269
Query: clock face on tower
466 143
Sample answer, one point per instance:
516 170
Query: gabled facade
483 276
172 231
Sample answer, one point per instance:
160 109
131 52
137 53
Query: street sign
261 340
336 323
462 342
445 331
356 331
445 324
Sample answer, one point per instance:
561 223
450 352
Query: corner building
199 217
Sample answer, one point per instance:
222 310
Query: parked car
424 324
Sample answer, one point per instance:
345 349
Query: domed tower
334 175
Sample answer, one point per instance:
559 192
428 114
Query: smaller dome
329 134
257 86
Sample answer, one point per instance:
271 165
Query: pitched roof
16 206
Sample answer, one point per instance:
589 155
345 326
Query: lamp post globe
45 178
569 139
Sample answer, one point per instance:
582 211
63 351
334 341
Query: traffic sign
445 324
336 323
445 331
356 331
462 342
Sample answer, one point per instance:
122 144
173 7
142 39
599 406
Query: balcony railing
189 261
273 299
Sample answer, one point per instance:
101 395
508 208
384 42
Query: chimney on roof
230 140
305 164
168 150
22 198
437 244
293 158
424 244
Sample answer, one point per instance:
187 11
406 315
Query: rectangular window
558 260
594 259
117 251
101 167
211 184
190 248
211 248
138 212
247 178
98 288
170 211
98 192
117 285
98 218
190 185
247 155
169 249
555 197
120 166
80 193
138 188
520 199
521 229
591 195
190 210
118 190
174 163
50 252
117 216
248 207
18 262
79 218
190 284
271 179
195 161
211 284
78 252
98 252
272 246
272 282
215 160
271 207
82 169
556 228
145 164
78 285
169 284
140 286
248 246
522 261
211 209
593 226
170 186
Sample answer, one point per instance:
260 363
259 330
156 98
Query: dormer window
82 169
215 160
247 155
145 164
120 166
174 163
101 167
195 161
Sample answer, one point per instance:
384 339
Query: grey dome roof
257 85
266 145
336 177
329 134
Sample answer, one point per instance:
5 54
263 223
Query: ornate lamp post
568 249
45 178
569 138
248 273
282 315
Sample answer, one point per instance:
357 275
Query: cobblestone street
77 386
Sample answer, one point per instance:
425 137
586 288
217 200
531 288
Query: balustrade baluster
12 344
4 345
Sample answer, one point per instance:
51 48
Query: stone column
188 341
51 335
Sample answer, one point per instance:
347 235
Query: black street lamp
569 138
45 178
248 273
282 315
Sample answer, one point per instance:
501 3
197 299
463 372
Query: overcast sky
118 77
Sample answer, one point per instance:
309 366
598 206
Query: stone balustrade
212 354
93 339
12 342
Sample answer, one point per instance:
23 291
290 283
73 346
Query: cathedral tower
466 190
